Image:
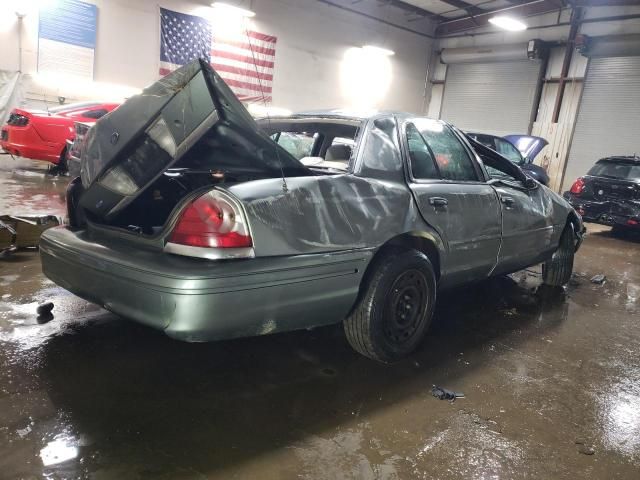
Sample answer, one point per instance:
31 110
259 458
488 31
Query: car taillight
577 187
18 120
211 226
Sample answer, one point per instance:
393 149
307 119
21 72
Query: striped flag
246 64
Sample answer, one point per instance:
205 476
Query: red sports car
42 135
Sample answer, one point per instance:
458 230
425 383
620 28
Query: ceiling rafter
472 10
522 8
410 9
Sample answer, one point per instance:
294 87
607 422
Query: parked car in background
191 219
523 157
74 147
43 135
609 194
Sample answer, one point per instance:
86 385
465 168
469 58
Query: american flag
246 63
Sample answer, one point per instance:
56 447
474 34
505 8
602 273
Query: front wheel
395 307
556 272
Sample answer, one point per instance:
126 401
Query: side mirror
530 183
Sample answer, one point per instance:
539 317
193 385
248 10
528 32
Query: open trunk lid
189 115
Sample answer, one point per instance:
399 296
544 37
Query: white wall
312 40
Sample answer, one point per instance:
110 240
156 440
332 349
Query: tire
401 284
619 230
62 164
556 271
61 167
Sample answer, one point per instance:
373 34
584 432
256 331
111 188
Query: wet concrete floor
552 383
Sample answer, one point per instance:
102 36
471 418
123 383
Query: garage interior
550 378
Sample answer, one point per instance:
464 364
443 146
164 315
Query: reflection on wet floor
551 382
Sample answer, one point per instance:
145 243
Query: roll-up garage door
608 120
494 98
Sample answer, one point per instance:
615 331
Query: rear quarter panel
55 129
327 213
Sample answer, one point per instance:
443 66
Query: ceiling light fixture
232 9
379 50
508 23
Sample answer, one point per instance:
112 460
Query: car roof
345 114
352 114
621 159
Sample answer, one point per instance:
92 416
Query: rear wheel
557 271
620 230
61 167
395 308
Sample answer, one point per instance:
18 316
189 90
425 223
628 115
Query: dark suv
609 193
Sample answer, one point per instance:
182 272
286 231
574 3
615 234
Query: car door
527 226
454 198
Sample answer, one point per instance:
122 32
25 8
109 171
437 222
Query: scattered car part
442 393
598 279
7 239
27 229
44 308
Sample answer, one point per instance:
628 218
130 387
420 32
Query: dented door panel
468 223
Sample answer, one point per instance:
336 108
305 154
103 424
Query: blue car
519 149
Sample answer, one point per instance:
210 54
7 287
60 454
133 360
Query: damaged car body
609 194
194 219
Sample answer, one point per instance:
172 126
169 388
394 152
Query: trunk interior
148 214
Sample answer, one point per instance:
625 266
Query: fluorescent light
508 23
378 50
232 9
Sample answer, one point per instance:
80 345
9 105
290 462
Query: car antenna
44 99
285 188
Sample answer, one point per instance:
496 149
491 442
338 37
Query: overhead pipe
533 49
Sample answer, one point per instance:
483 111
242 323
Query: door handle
508 201
438 201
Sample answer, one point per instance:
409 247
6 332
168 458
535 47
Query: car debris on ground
598 279
44 312
23 231
442 393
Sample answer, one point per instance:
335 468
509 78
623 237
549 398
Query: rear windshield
622 170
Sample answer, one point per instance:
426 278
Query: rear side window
422 162
95 113
623 170
452 159
299 145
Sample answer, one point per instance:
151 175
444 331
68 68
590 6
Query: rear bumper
202 300
25 142
611 213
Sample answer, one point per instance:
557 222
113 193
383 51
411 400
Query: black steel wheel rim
405 306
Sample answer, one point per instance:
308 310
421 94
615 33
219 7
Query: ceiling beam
462 5
520 8
412 9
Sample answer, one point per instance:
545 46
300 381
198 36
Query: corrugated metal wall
608 120
492 98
